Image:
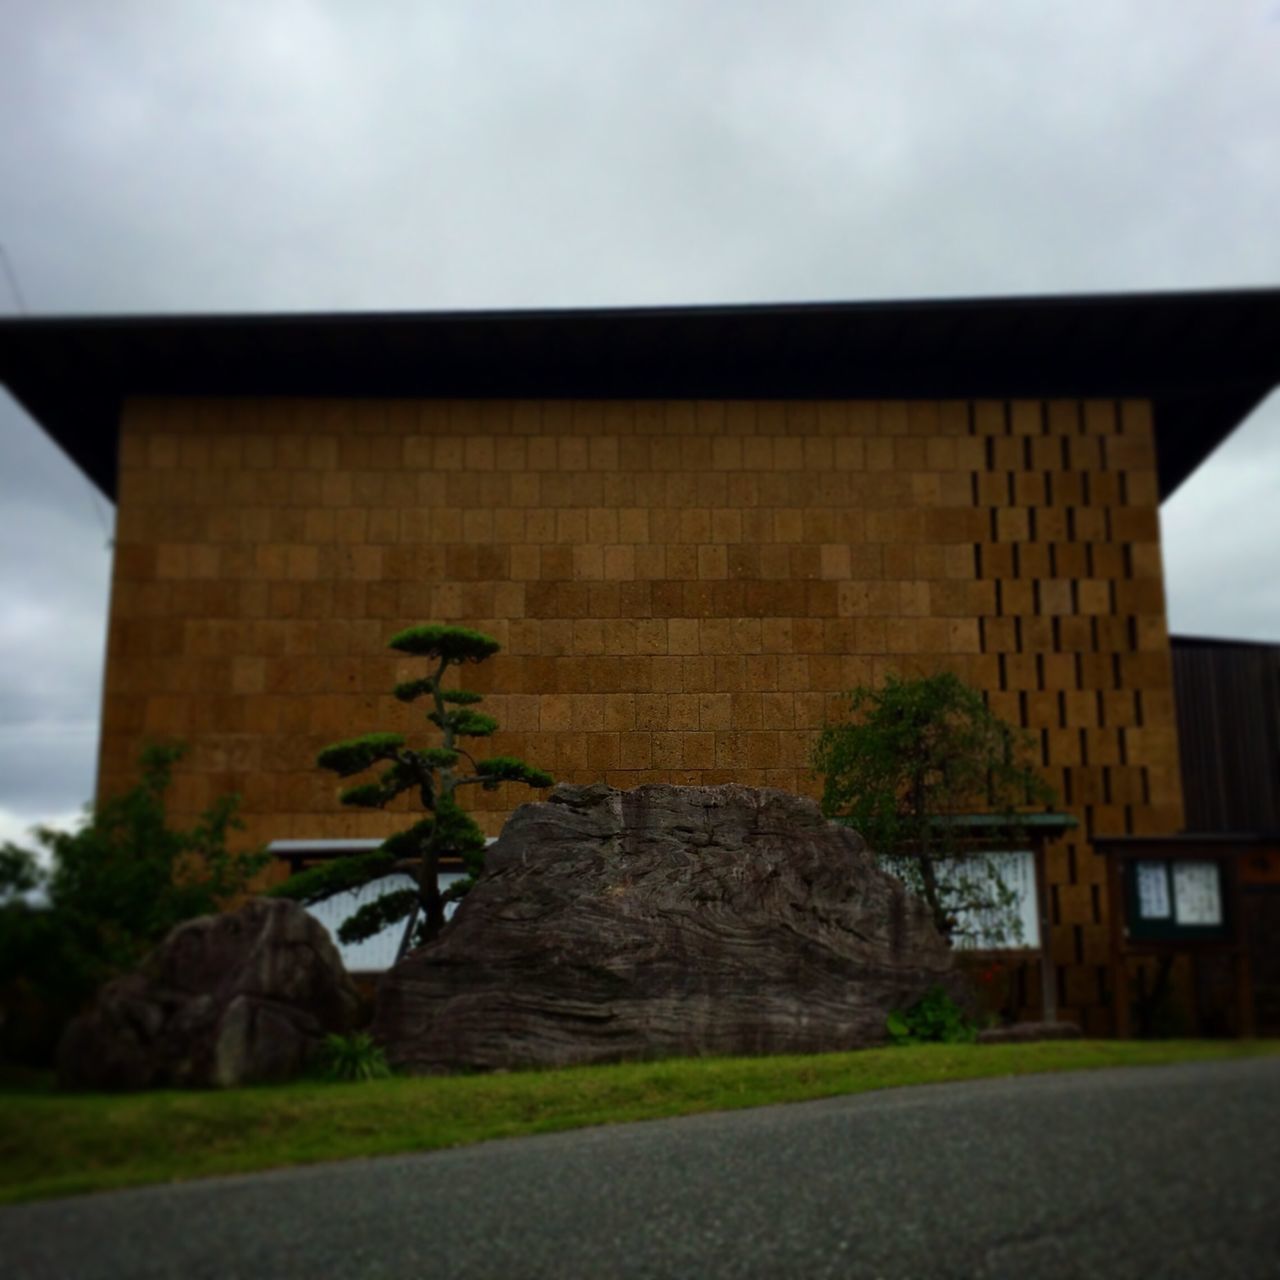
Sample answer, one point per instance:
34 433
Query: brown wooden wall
1227 695
682 591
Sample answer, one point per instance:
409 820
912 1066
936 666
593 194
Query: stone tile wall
682 591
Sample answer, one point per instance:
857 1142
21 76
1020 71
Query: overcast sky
160 156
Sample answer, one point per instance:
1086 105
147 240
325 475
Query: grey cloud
193 157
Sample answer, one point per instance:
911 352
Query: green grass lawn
58 1144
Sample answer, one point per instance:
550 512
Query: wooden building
691 529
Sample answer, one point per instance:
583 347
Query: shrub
934 1018
352 1058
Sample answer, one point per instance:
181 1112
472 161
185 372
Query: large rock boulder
232 999
664 921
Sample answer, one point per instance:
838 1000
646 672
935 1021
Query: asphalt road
1157 1173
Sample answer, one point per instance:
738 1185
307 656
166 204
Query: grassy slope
53 1144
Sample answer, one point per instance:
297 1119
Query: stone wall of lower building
682 591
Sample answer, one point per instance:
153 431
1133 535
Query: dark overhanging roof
1204 358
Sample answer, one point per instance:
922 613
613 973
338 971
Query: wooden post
1119 974
1242 973
1048 984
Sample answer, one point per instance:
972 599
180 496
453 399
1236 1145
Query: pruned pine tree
915 755
435 774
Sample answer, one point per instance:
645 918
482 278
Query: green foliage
433 774
498 769
373 917
339 876
934 1019
368 795
452 644
111 890
346 758
411 690
352 1058
464 723
461 697
913 754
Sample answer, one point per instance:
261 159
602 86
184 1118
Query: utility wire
11 275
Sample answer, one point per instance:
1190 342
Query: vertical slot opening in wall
1095 901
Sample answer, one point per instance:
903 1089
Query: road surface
1160 1172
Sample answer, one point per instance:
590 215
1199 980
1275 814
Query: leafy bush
934 1018
102 897
914 756
352 1058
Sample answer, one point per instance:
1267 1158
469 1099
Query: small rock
1024 1032
225 1000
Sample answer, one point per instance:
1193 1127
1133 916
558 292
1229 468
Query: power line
12 277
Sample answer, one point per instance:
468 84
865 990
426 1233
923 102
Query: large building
691 530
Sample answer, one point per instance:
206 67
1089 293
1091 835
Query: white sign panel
1153 890
1197 894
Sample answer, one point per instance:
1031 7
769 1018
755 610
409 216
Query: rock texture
232 999
664 921
1026 1032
